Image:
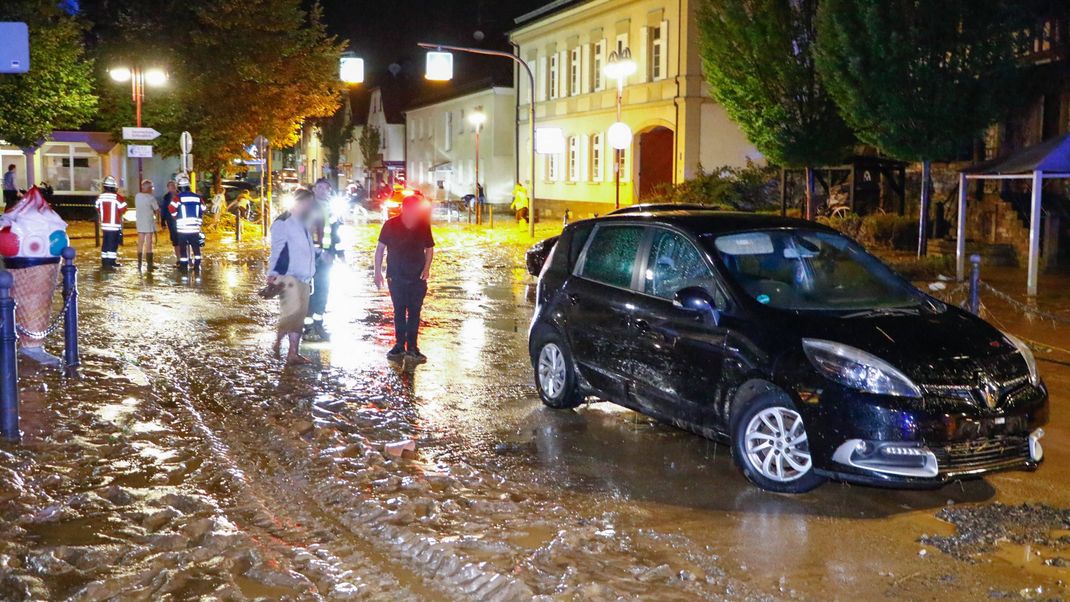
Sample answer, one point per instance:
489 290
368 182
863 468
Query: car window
610 257
675 264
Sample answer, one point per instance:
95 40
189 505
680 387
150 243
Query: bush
889 231
851 225
748 188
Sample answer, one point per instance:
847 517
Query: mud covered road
187 463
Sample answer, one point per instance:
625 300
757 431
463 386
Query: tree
57 92
370 142
758 56
239 69
919 79
335 132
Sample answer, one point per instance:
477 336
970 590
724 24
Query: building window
553 75
622 164
596 158
460 126
658 56
72 167
448 144
573 159
553 167
574 72
622 42
597 62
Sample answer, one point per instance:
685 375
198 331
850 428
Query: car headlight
857 369
1027 355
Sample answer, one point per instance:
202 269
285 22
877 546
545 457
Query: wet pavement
187 463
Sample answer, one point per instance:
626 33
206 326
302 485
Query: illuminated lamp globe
620 135
120 74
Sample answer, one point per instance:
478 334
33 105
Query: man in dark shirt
409 248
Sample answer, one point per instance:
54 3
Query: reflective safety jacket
110 209
187 209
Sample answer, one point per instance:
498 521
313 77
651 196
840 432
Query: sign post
185 144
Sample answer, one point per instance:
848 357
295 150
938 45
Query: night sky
384 32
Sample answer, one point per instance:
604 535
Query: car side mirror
698 300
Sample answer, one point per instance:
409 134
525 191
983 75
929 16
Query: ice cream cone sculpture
32 237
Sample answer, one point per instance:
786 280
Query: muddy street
188 463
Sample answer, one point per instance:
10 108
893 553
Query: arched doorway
655 161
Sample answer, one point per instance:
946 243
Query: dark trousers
10 196
321 287
189 244
109 246
408 298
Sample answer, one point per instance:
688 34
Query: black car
786 339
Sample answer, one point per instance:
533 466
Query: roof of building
545 11
450 92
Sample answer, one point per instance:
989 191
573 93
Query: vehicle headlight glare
857 369
1027 355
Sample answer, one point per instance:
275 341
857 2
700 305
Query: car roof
712 221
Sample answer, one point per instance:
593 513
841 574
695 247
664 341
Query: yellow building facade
676 125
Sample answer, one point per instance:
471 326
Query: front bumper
891 442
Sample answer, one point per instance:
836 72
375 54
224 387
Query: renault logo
989 390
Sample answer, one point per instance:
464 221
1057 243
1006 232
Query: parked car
537 254
786 339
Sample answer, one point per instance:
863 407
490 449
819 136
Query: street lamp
138 77
351 69
438 71
619 66
477 119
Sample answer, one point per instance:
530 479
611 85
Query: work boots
151 266
140 257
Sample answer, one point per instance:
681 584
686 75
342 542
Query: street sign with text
140 134
139 151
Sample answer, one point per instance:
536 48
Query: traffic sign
139 151
185 142
140 134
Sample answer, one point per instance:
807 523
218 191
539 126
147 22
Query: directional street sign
139 151
140 134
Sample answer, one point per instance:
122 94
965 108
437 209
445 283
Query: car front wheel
771 448
554 374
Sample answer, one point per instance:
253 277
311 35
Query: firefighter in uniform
110 209
188 209
324 231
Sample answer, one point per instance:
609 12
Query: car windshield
809 270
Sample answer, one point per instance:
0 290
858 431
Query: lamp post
138 77
477 119
440 68
619 66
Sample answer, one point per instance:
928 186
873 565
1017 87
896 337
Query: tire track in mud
419 567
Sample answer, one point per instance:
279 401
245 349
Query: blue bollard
974 303
9 364
70 318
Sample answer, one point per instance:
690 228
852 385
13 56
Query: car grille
982 455
993 382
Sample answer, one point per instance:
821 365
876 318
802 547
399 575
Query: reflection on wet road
188 462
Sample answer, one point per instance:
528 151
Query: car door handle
641 325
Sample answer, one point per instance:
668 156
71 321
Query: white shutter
665 49
585 68
585 158
642 56
562 74
542 79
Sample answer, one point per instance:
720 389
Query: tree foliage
758 56
238 69
916 78
370 141
335 132
57 92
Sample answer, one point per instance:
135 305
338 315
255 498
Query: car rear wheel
554 374
771 448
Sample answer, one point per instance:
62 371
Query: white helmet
182 180
109 182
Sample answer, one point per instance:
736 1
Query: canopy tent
1047 160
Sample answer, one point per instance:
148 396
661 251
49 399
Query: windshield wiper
883 311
